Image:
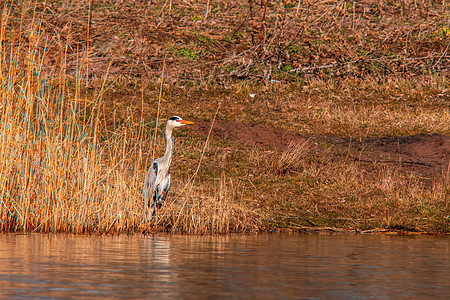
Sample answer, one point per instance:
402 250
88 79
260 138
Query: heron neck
169 146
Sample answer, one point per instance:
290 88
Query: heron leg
153 210
157 202
156 205
152 205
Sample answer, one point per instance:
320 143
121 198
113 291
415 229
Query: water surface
265 266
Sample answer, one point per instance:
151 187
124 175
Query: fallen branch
364 60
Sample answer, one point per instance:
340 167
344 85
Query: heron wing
165 187
156 186
150 183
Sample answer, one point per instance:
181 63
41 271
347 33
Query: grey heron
157 180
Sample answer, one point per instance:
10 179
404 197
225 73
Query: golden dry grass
64 170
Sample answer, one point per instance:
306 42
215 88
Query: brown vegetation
331 114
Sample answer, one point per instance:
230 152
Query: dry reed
64 170
291 159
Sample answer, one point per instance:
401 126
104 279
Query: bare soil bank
426 155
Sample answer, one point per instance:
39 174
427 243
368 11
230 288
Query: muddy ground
427 156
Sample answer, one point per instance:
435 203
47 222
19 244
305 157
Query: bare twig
207 11
87 40
263 19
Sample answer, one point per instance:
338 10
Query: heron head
177 122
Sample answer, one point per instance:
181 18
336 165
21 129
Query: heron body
157 180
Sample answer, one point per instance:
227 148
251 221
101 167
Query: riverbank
324 136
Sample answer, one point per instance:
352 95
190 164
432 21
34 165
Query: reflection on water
278 266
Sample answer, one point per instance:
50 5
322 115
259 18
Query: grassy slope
396 85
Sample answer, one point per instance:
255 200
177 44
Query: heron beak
185 122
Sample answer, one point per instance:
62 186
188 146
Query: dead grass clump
334 190
387 197
291 159
202 212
